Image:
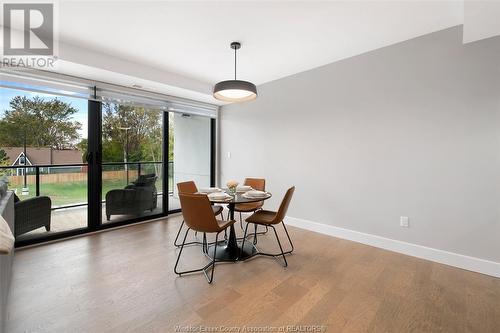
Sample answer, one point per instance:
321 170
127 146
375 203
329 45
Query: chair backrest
256 183
188 187
280 215
149 182
198 213
142 178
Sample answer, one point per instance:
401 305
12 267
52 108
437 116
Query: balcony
66 185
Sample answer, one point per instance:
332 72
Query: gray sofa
7 211
134 199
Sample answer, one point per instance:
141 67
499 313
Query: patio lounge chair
134 199
31 214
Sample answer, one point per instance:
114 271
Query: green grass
74 192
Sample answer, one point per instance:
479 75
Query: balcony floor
76 217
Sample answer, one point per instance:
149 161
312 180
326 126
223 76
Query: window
132 161
43 137
101 159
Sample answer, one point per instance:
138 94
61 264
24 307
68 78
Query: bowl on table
218 196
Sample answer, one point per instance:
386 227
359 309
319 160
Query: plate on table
207 190
219 196
253 194
243 188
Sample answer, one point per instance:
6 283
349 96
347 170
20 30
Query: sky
6 95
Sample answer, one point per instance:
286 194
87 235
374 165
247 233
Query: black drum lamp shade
235 90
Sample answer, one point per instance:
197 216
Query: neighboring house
45 157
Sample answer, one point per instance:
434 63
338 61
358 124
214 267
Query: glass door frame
213 158
94 179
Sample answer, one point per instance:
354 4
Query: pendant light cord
235 63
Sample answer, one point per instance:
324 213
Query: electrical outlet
228 154
404 221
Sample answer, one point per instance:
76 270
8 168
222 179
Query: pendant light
235 90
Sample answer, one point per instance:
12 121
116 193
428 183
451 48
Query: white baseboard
443 257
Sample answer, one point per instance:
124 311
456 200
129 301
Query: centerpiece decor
231 186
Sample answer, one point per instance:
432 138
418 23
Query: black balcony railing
66 184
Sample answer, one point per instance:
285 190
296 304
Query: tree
45 123
143 127
4 158
83 147
171 137
4 161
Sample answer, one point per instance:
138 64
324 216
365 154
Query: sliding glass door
104 158
132 161
43 138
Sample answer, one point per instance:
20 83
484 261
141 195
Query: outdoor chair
31 214
134 199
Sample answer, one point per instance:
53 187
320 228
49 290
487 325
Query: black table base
228 253
230 250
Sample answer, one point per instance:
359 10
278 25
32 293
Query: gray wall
411 129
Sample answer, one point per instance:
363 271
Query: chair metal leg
178 233
241 222
244 238
255 235
204 268
204 243
288 236
277 255
180 252
213 262
281 248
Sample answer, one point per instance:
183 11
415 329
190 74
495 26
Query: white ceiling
481 20
279 38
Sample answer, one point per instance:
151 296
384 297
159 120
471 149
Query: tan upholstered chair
251 207
270 219
189 187
199 216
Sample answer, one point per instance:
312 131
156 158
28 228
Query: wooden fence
71 177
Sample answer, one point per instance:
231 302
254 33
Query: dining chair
251 207
189 187
270 219
199 216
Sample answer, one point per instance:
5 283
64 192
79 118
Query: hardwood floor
123 280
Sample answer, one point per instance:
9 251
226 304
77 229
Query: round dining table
230 249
